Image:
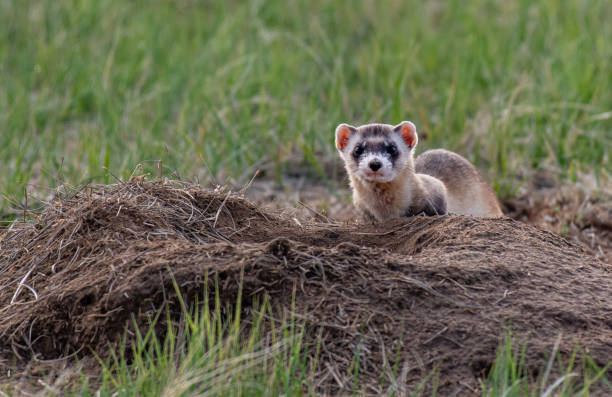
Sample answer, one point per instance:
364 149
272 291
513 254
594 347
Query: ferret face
376 152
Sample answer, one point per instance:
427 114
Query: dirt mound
443 287
569 211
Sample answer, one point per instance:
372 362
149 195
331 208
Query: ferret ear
343 134
408 132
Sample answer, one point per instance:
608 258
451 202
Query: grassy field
217 89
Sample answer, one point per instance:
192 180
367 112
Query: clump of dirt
441 290
569 211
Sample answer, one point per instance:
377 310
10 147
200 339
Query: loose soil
569 211
581 214
441 289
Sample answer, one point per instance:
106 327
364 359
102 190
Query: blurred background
218 89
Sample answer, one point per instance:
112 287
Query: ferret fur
437 183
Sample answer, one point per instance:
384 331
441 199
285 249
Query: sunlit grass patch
219 89
573 376
210 351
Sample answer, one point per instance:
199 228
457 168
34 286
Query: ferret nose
375 165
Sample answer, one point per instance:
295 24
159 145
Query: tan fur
436 175
468 193
382 201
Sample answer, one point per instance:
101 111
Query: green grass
210 351
217 89
509 378
210 357
213 351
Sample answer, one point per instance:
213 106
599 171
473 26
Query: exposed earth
581 213
441 290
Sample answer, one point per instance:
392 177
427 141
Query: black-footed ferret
387 183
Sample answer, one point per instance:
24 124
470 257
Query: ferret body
388 183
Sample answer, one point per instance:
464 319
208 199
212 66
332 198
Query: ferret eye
358 151
391 149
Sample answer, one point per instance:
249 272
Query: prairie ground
94 92
428 295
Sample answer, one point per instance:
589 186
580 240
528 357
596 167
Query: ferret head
376 152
